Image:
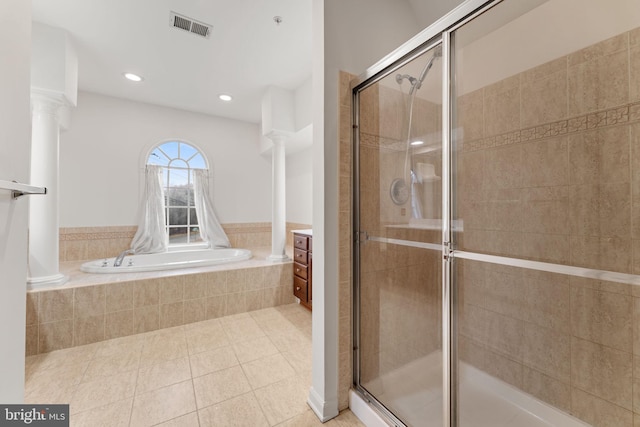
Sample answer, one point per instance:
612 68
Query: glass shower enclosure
496 209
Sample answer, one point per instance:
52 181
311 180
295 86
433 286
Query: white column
278 199
43 210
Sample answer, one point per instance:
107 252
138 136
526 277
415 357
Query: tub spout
120 258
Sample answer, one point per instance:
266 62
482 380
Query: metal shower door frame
439 33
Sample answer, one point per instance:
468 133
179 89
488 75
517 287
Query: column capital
278 136
46 103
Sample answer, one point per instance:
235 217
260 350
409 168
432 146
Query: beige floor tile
67 356
283 400
290 340
278 325
189 420
299 359
115 414
212 360
49 393
162 348
242 329
241 411
306 419
205 340
202 326
267 370
103 391
145 379
301 320
118 345
253 349
234 318
124 361
163 404
219 386
163 374
265 314
55 375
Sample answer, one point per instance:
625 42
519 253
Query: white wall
15 137
299 176
102 153
350 36
304 105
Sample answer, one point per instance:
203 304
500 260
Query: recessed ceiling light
132 77
417 142
225 97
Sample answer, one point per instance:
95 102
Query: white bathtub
167 260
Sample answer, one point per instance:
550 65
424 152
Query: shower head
416 83
401 77
437 54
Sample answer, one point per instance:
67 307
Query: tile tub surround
87 243
250 369
96 307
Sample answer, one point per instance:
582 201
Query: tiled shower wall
345 368
549 170
86 243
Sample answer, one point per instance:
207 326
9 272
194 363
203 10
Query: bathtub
167 260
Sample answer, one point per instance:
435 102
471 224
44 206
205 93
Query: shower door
546 161
497 206
399 218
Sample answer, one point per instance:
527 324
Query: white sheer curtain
151 236
210 229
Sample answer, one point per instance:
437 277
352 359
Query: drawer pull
298 241
297 270
297 288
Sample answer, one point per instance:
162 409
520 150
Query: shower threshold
413 392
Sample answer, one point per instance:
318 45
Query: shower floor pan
414 392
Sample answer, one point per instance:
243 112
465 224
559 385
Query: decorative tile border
615 116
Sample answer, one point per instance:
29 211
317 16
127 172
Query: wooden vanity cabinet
302 268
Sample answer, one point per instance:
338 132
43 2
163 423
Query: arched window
179 160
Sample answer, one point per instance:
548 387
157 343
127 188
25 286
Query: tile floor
251 369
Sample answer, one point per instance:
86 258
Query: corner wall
15 137
382 26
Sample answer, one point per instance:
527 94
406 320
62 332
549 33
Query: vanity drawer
301 242
300 288
300 270
300 256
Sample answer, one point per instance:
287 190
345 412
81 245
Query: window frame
172 163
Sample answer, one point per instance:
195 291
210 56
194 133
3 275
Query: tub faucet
120 258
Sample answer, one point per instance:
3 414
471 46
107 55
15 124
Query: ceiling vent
187 24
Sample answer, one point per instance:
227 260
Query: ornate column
278 199
43 211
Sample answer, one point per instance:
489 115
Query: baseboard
324 410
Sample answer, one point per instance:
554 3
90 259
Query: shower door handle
361 236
